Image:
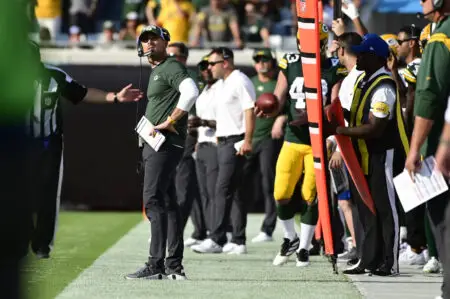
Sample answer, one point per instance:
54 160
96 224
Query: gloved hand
350 10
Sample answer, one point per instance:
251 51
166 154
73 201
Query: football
267 102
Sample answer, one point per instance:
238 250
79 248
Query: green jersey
433 84
163 96
263 126
291 66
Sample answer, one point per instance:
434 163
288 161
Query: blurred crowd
198 23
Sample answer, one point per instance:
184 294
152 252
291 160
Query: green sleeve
432 81
176 73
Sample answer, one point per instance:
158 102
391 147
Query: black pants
380 245
45 163
415 224
357 224
436 209
161 205
188 195
227 194
207 170
15 211
446 264
264 155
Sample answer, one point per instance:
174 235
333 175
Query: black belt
231 137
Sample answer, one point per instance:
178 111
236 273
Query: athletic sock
306 235
289 228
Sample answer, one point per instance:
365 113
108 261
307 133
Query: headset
437 4
160 31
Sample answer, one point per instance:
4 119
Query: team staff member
443 164
171 94
265 146
235 122
376 128
432 90
45 126
207 165
188 195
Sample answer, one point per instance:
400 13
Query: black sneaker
353 262
176 274
302 258
315 250
355 269
147 272
287 249
383 271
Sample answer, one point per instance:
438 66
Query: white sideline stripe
303 25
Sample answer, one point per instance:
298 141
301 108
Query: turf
81 238
210 276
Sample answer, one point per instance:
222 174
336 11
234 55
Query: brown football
267 102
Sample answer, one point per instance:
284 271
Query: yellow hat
391 40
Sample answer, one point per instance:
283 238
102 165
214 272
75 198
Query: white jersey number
296 92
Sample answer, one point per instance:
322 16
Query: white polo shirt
205 107
236 95
348 87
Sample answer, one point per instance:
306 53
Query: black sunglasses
213 63
400 42
258 59
203 66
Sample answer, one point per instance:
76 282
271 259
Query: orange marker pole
308 31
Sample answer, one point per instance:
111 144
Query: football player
296 156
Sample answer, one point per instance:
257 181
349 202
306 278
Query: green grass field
82 266
81 238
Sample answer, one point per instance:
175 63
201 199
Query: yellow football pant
292 161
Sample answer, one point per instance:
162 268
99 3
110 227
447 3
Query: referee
44 159
171 94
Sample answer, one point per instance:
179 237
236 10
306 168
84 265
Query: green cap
159 31
264 52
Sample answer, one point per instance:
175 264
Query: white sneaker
262 237
191 241
409 257
287 249
207 246
403 246
238 249
229 247
432 266
438 297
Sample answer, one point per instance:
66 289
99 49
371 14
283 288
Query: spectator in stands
129 31
74 34
255 29
152 11
219 23
199 4
108 34
48 14
137 6
82 13
176 16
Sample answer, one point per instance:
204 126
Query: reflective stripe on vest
357 114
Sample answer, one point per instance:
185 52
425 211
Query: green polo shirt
263 126
163 96
433 84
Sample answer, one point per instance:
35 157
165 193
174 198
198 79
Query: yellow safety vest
359 103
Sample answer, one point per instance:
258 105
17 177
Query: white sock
403 233
306 235
289 228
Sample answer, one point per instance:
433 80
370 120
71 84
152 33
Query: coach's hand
164 126
129 95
